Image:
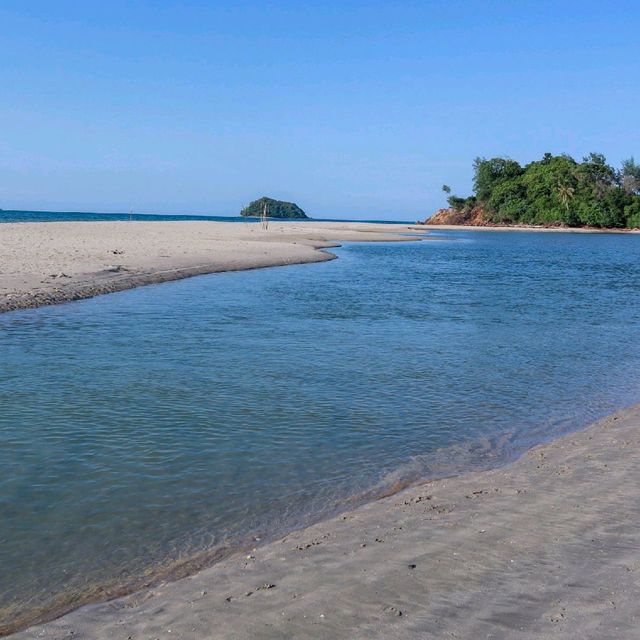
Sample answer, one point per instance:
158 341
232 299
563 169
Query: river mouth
146 434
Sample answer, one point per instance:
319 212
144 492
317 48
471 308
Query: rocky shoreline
476 219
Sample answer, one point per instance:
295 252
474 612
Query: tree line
556 190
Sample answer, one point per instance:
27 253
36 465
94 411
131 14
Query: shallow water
146 427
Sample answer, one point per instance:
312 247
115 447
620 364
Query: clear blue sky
350 109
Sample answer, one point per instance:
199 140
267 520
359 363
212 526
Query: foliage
632 213
490 173
556 190
275 209
461 204
456 203
630 176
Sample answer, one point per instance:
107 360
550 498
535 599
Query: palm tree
565 194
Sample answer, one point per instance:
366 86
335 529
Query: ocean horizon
9 215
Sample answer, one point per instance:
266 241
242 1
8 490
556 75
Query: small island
556 191
275 209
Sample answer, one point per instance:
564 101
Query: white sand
547 547
44 263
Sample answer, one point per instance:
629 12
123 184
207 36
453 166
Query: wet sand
51 262
546 547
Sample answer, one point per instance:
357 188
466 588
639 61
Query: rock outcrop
474 217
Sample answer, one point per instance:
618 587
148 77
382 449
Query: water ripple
153 427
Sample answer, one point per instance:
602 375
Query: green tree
632 213
456 202
565 194
490 173
275 209
508 202
556 190
541 180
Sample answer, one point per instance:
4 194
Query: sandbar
52 262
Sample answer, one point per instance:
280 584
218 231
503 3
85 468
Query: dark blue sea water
78 216
144 428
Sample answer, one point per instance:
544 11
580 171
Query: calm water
78 216
145 427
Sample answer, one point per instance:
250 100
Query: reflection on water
148 427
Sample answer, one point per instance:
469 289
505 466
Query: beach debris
441 509
265 586
475 493
393 611
59 275
250 557
228 598
313 543
115 268
412 566
248 594
117 252
417 499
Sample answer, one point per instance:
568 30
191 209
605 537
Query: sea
80 216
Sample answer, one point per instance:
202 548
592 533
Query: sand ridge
51 262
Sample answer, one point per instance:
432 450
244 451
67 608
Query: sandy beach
546 547
48 263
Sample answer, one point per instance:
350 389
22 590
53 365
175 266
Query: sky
357 110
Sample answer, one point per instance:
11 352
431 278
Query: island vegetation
553 191
275 209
